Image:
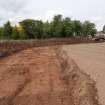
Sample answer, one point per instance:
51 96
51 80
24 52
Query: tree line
59 27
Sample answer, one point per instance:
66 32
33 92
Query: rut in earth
23 72
49 74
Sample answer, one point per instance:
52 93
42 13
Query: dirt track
91 59
44 76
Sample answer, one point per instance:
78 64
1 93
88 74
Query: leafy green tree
77 28
1 32
89 28
57 26
46 30
22 35
67 27
15 33
93 32
7 30
32 28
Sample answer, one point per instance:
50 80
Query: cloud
17 10
96 19
50 13
11 8
12 5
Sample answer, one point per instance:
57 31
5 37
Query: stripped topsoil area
9 47
44 76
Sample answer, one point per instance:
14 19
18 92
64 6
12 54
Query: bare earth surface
91 59
44 76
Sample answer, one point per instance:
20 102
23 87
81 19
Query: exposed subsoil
44 76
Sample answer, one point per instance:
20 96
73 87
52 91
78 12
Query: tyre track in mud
11 73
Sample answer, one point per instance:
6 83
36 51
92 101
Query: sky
17 10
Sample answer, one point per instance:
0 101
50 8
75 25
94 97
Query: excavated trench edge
69 74
65 67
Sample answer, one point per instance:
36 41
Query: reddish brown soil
44 76
10 47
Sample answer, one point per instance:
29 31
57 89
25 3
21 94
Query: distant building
100 36
104 29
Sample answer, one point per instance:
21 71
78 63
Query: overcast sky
17 10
